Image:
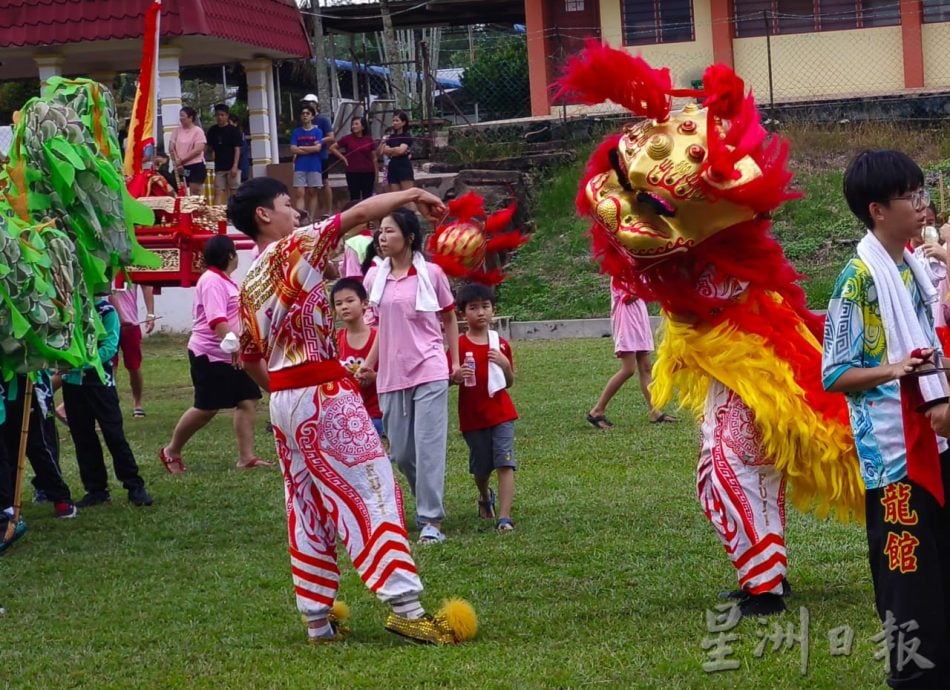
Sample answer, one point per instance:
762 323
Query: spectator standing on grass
216 372
355 341
357 150
187 149
633 343
126 303
224 140
326 195
91 401
414 303
305 143
486 413
879 329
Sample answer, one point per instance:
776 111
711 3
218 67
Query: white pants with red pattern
741 492
339 482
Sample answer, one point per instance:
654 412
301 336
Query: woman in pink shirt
219 381
188 150
414 303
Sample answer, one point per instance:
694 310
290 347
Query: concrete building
786 50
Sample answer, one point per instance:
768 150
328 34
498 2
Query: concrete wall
824 64
687 60
935 39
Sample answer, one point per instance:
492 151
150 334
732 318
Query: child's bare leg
628 367
484 496
506 490
645 372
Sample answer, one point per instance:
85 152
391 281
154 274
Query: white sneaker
430 534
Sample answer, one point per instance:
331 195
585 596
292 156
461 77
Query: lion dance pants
339 482
741 492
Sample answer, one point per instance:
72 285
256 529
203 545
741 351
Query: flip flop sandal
664 419
138 412
255 462
505 525
487 506
599 422
172 465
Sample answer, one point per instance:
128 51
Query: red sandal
172 465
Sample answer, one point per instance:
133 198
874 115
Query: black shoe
139 497
761 604
93 498
739 593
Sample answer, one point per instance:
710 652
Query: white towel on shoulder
902 331
426 299
496 376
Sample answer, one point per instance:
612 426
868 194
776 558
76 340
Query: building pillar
169 90
535 18
912 43
49 66
721 32
272 108
258 115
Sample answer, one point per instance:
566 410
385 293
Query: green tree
14 94
498 78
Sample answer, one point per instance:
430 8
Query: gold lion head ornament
675 178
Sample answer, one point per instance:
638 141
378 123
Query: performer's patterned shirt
285 310
854 337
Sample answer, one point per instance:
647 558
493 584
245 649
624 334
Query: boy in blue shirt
88 401
306 144
878 330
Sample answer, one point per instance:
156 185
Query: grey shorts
224 181
308 179
489 449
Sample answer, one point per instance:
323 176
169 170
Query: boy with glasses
878 330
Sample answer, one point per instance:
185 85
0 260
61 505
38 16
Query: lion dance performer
681 203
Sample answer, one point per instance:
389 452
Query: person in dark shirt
224 141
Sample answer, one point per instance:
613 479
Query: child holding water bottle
486 414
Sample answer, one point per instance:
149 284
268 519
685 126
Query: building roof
239 28
365 17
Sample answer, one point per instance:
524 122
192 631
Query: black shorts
218 385
399 170
196 173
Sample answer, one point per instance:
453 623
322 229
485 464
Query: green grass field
605 582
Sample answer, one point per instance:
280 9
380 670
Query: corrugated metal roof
273 24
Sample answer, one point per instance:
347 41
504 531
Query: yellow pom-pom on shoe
460 617
454 623
340 612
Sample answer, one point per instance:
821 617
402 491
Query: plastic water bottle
930 234
469 365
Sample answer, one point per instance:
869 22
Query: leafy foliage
498 78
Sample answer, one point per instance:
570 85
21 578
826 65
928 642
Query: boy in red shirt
354 342
486 413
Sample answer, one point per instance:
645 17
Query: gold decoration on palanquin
665 206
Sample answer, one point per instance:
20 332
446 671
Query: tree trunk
396 78
320 55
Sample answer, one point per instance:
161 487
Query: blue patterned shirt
854 337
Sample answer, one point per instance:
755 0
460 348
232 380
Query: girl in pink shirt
414 303
188 150
218 379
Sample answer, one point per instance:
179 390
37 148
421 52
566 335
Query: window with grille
657 21
573 5
758 17
936 11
